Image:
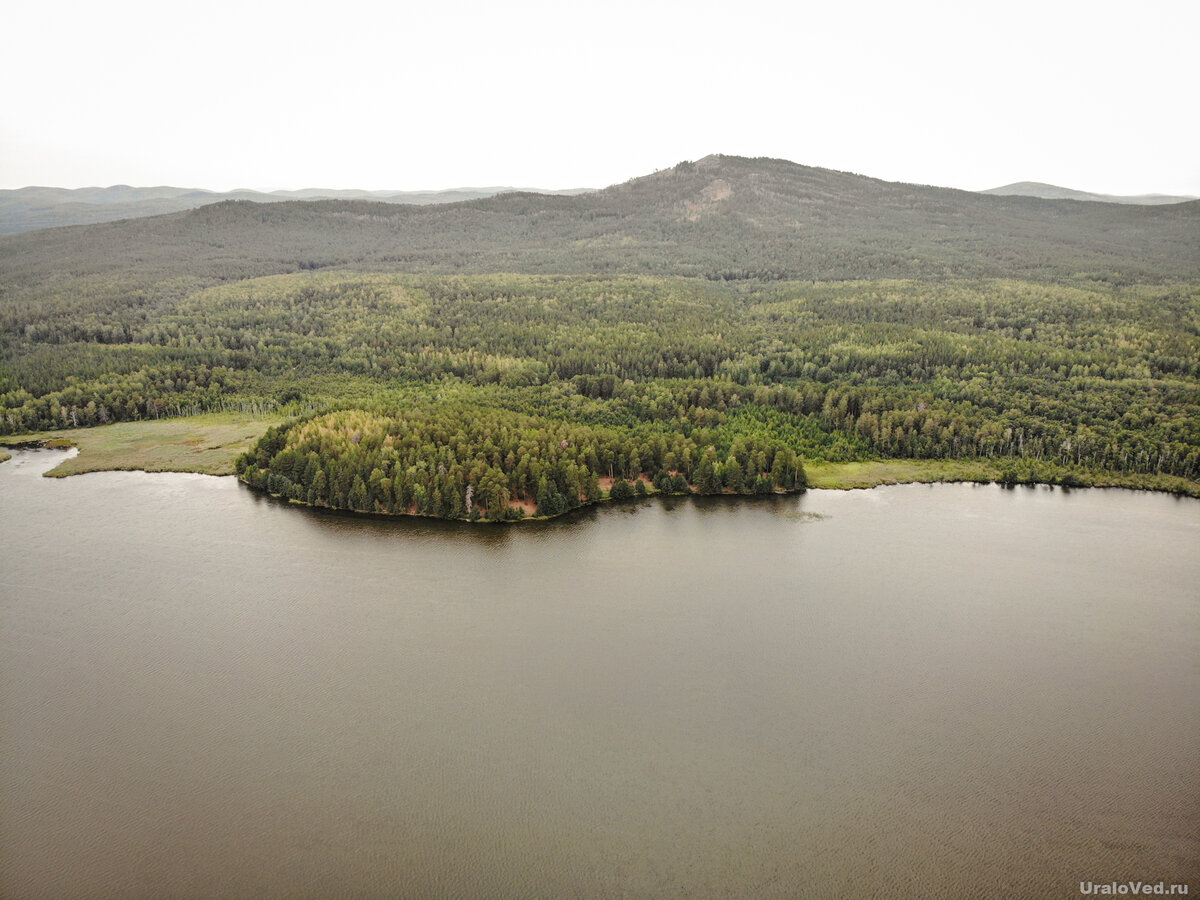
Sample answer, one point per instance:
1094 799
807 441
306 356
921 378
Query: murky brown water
943 691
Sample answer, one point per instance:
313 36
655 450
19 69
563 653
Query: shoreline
879 482
209 445
582 507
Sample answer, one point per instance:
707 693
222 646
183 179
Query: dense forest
502 395
463 461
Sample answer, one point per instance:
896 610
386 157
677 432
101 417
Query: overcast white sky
1098 96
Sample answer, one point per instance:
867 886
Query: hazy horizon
266 97
532 187
310 187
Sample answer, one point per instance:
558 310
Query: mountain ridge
36 207
1056 192
720 217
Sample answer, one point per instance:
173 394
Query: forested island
725 326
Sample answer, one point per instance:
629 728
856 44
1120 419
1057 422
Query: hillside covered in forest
721 218
714 327
33 208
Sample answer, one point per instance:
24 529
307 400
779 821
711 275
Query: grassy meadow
207 443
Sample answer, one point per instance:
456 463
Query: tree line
464 461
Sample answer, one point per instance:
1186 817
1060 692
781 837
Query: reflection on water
916 691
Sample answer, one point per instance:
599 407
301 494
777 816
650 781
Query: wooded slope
722 218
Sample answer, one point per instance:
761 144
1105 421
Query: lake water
918 691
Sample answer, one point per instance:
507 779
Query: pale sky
345 94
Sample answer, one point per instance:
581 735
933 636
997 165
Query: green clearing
873 473
207 444
876 472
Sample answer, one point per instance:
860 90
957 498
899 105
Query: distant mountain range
32 208
1054 192
724 218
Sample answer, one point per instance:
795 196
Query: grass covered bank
207 444
873 473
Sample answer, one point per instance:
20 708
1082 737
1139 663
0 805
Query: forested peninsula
726 326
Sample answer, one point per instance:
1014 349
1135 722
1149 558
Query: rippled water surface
914 691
